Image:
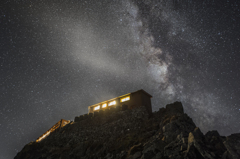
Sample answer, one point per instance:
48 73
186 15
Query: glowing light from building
97 107
61 123
112 103
104 105
45 135
125 99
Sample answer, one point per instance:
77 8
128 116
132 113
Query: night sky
59 57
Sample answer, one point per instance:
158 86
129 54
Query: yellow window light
125 99
97 107
112 103
104 105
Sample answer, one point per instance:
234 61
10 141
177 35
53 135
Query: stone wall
102 113
169 133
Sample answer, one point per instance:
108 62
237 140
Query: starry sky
59 57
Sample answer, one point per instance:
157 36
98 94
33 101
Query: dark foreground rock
133 134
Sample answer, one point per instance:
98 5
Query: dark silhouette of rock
215 143
175 107
232 145
134 134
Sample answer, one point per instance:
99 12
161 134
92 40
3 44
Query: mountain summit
134 134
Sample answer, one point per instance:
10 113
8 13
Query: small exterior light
125 99
104 105
112 103
97 107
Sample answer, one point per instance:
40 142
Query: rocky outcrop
166 134
232 144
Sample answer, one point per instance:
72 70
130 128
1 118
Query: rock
226 155
173 148
121 155
148 155
196 138
215 143
135 148
155 147
182 125
184 147
159 155
193 153
109 156
232 145
137 155
212 133
171 131
80 150
167 134
176 107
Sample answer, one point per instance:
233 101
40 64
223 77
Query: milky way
58 58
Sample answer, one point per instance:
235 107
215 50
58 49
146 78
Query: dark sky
58 58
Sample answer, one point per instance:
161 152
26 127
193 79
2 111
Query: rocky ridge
166 134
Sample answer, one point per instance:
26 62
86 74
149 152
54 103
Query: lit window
104 105
112 103
125 99
97 107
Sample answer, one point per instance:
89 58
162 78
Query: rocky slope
132 134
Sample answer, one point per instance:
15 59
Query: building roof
141 90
